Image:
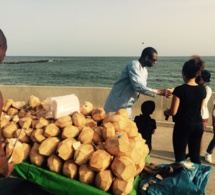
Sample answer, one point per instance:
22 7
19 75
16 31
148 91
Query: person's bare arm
174 107
5 168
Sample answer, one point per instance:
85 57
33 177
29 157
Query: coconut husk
25 122
83 153
33 101
9 130
15 151
65 149
37 135
34 155
70 131
86 135
87 108
63 121
70 169
104 180
86 175
51 130
122 112
123 167
100 160
116 145
48 146
7 104
98 114
122 187
54 163
108 130
78 120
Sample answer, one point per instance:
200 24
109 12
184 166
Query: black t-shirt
146 125
191 98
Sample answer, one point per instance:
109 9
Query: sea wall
95 95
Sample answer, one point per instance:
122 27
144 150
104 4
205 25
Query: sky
108 27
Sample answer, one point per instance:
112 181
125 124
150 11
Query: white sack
62 106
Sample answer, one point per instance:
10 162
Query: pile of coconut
101 149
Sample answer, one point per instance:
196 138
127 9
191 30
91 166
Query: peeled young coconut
137 157
23 113
86 108
90 122
86 175
23 137
122 134
4 122
54 163
63 121
116 145
48 146
70 131
12 111
51 130
98 114
83 153
122 112
108 130
104 180
37 135
138 142
120 187
107 116
9 130
26 149
100 160
131 129
97 137
42 122
65 149
16 151
33 101
35 157
145 150
15 118
25 122
119 122
70 169
18 104
86 135
123 167
7 104
78 120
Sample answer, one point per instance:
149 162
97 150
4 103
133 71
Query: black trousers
187 134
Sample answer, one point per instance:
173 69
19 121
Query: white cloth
205 111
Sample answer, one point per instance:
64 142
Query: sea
91 71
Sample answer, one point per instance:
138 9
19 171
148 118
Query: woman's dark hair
206 75
193 67
148 107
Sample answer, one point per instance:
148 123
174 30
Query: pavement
162 152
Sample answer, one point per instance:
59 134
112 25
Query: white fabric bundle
62 106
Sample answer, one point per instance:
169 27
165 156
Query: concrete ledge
96 95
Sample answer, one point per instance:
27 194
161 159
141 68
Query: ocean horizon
91 71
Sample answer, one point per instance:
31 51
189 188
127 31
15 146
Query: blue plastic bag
186 181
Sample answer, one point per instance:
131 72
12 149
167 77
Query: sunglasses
154 60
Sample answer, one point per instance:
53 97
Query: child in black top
145 124
187 102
